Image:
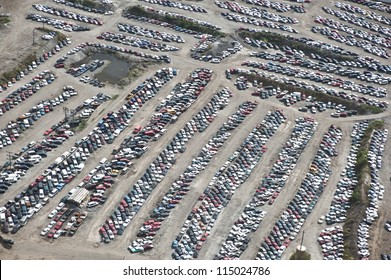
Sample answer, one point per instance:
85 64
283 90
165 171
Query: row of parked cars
374 38
67 14
276 5
329 67
71 163
238 239
34 64
258 22
291 220
134 147
62 171
308 41
160 23
223 185
32 154
182 17
57 23
255 12
21 94
104 9
375 5
136 42
350 41
315 87
375 192
272 184
331 240
180 187
104 47
240 233
364 12
14 128
179 5
92 66
360 21
150 33
323 78
348 182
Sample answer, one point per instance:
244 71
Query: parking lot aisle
311 226
178 215
286 195
378 233
238 202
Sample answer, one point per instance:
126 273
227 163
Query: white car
53 213
45 231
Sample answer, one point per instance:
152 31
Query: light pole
34 36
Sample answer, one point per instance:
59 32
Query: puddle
113 71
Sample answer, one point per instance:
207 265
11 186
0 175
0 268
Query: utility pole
9 157
302 240
66 111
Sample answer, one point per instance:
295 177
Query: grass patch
300 255
359 199
292 42
59 37
7 76
320 96
82 125
184 23
5 20
88 3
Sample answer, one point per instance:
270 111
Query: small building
78 196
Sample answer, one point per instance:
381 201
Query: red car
51 233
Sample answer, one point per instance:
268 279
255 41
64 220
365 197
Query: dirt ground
16 42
